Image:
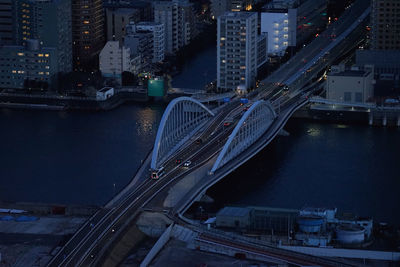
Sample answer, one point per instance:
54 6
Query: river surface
86 157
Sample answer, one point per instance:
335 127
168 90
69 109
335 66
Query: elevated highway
223 146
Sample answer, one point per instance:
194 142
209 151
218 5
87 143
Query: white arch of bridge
250 127
182 117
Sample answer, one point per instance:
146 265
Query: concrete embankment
50 209
58 102
376 116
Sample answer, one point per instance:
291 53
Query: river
86 157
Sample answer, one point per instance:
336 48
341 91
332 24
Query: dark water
354 168
73 157
198 71
77 157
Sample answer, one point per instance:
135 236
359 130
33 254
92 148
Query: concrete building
49 22
29 66
141 43
117 19
114 59
219 7
178 19
144 8
262 48
291 22
234 217
385 25
157 39
384 61
87 33
236 50
7 23
353 85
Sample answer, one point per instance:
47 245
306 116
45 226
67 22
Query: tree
128 78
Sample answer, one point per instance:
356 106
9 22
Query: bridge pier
370 118
398 121
384 120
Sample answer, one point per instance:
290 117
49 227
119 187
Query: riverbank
378 116
52 101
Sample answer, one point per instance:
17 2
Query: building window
347 96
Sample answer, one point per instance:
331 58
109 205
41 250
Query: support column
384 120
370 118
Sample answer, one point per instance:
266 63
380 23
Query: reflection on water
146 123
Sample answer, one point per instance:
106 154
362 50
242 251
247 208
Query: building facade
354 85
29 67
117 19
7 23
385 25
237 50
219 7
87 33
49 22
158 38
178 19
291 22
114 59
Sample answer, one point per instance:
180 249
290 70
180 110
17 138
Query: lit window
20 54
40 72
14 71
47 73
86 32
85 22
47 67
222 38
40 55
46 55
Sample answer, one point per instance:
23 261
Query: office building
236 50
7 23
49 22
30 66
385 24
178 19
291 22
87 33
117 19
219 7
144 8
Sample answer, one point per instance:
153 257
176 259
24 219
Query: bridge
197 146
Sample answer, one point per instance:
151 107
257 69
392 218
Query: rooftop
351 73
234 211
238 15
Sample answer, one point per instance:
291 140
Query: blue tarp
26 219
7 218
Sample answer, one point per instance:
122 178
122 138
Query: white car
187 163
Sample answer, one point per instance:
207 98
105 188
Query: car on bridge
187 163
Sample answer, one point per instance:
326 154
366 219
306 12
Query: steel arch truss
181 119
251 126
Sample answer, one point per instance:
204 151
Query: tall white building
114 59
237 50
178 19
281 28
291 22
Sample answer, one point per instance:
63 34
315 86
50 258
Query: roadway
93 239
